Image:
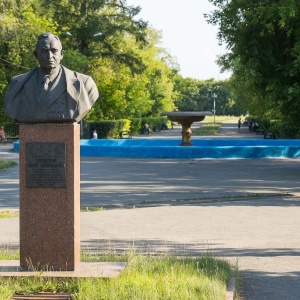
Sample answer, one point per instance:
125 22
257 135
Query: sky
186 35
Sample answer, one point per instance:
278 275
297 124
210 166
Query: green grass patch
8 214
92 209
145 277
6 254
210 119
208 128
6 163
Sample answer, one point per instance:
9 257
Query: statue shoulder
82 77
22 77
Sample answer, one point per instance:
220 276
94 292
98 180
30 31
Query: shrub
106 129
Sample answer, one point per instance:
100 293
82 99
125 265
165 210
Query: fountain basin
203 148
186 116
186 119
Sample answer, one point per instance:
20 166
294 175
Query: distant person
255 127
2 135
239 123
172 124
164 126
250 126
147 129
95 135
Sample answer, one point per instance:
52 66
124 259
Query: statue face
49 53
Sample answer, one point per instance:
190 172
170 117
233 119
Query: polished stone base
49 197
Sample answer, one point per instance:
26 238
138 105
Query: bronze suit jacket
68 104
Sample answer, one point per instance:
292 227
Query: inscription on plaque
46 165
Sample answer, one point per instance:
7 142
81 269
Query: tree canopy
107 40
263 41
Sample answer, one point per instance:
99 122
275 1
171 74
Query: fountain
186 119
204 148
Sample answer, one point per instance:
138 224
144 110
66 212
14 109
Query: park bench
269 135
11 131
11 139
260 131
125 134
157 128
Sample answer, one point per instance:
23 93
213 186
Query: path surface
246 211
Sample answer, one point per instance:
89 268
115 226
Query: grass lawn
145 277
221 119
8 214
6 163
210 127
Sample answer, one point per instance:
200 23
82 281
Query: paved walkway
246 211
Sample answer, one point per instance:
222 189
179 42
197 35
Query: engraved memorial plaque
46 165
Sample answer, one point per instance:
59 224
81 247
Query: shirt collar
53 76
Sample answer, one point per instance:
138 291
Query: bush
106 129
283 131
136 125
112 128
154 122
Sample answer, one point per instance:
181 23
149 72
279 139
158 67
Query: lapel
74 85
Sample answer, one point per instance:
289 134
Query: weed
6 163
145 277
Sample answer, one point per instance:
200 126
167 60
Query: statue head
48 52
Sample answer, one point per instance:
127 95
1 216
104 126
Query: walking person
239 123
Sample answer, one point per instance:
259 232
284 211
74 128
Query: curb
230 289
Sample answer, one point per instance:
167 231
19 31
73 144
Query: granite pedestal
49 197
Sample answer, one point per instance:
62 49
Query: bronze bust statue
50 93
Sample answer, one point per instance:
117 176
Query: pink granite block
50 216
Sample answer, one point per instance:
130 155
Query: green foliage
263 38
135 77
7 214
153 122
6 163
127 95
283 131
280 128
136 125
194 95
106 129
145 277
112 20
208 128
75 60
21 23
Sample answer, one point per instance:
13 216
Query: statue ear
62 53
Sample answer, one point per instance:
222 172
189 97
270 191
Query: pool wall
203 148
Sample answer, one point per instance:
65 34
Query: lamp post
68 33
213 96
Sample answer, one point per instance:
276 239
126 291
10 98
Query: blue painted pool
203 148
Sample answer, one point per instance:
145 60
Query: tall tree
20 23
97 27
124 94
263 39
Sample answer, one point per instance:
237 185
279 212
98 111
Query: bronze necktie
46 83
